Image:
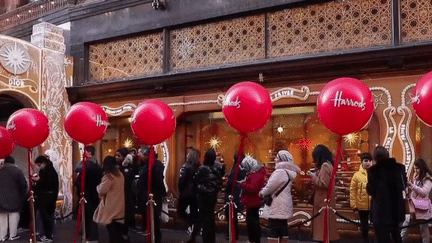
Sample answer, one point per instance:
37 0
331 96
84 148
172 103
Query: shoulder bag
268 199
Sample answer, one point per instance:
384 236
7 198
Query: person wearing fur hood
282 206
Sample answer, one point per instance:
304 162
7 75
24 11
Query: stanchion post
150 202
31 201
81 212
231 225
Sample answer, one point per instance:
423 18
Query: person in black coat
187 187
158 189
46 189
13 189
209 183
237 191
93 178
386 182
125 161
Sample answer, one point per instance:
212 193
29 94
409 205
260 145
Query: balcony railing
30 12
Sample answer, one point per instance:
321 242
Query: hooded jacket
282 205
359 198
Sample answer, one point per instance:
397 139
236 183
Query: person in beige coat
111 209
323 160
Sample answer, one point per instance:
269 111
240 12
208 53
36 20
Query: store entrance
10 103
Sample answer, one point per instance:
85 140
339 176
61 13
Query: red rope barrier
150 226
330 189
32 226
237 168
82 199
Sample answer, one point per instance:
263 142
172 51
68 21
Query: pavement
177 232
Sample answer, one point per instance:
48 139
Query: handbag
409 206
268 199
420 204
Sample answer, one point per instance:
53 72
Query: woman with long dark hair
111 209
420 186
323 160
187 188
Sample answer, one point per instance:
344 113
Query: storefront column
56 76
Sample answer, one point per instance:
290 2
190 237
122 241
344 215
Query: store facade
189 53
291 49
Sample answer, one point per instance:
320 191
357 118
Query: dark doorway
8 105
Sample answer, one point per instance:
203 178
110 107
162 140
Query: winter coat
209 181
187 185
322 182
93 178
112 199
421 190
129 181
386 181
13 188
251 187
359 198
158 186
237 188
46 189
282 205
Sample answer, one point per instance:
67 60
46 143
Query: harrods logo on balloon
11 126
236 103
100 122
340 101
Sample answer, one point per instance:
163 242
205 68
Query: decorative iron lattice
136 56
336 25
416 20
224 42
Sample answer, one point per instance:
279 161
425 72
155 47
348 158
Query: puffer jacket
359 198
282 205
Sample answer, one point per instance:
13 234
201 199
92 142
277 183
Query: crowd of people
117 190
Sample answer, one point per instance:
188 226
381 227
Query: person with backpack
209 183
280 207
419 188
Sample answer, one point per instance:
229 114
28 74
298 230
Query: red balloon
153 122
247 106
28 127
7 145
86 122
422 101
345 105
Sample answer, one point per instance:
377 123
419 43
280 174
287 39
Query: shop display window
296 129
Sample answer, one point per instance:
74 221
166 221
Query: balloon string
32 226
330 189
149 184
82 198
237 168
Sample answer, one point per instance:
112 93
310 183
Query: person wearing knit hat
251 185
279 189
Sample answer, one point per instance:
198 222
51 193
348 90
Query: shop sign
391 128
404 137
300 94
119 111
